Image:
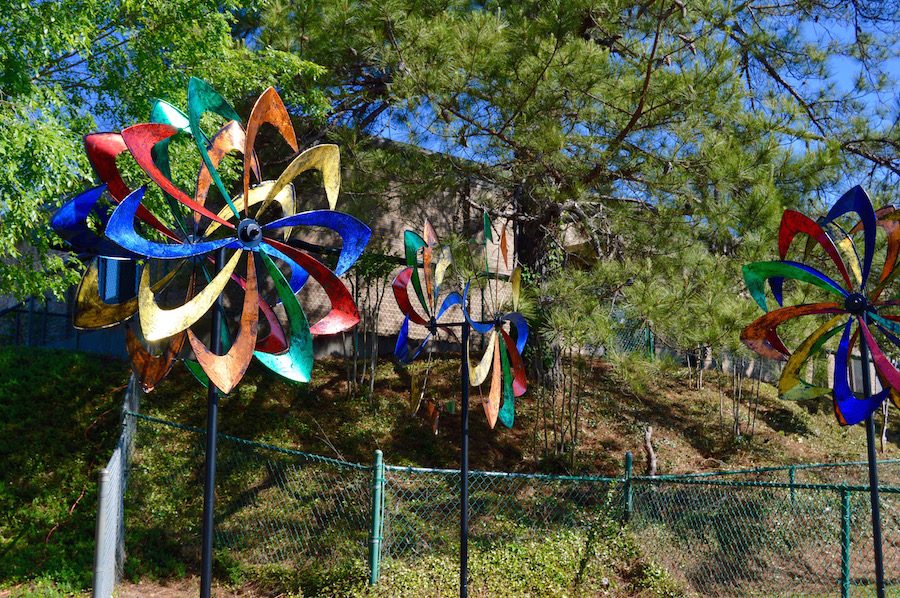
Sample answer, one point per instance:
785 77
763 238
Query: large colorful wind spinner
198 253
855 311
497 319
257 228
427 263
502 358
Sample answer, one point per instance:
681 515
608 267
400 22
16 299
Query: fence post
845 543
377 507
102 572
629 461
791 480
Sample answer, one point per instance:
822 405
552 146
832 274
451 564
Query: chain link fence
727 537
780 531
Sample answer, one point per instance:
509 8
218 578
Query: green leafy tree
664 137
70 66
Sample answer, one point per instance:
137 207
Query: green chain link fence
787 531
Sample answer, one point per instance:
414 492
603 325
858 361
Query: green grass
58 416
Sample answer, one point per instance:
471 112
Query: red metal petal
401 294
519 383
343 315
792 223
102 149
140 140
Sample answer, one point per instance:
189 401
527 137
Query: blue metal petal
120 230
299 276
401 349
70 223
451 300
481 327
518 320
849 409
856 200
354 234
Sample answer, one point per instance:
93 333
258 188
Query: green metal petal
488 233
194 368
757 273
167 114
507 409
412 243
203 98
297 363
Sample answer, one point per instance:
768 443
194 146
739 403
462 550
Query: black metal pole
464 468
873 473
209 483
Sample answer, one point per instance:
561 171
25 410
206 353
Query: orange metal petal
151 369
492 405
268 109
759 334
228 139
225 371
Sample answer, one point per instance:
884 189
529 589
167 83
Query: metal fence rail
781 531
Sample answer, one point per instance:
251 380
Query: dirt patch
185 587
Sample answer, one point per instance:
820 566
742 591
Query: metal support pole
845 543
209 483
628 497
377 507
792 478
464 467
873 474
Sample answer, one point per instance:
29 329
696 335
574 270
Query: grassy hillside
59 418
59 415
321 418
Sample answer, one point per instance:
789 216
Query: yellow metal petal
515 279
478 373
92 313
284 198
158 323
443 263
504 250
845 246
790 386
325 158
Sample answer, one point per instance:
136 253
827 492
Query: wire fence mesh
781 531
422 507
273 505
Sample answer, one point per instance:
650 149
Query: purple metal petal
401 349
518 320
299 276
481 327
70 223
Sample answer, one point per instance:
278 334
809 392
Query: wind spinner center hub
249 232
856 303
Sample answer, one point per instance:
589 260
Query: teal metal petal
507 412
203 98
297 363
